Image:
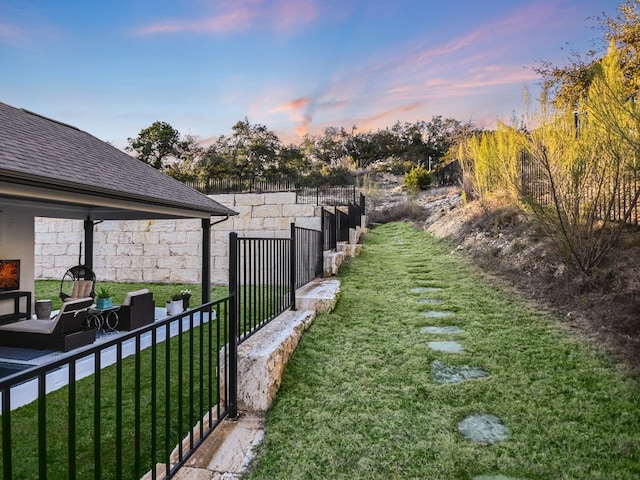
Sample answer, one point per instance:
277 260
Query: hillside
605 308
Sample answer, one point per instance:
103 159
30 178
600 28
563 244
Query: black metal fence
329 229
619 202
212 186
327 196
141 401
342 221
259 279
307 262
264 274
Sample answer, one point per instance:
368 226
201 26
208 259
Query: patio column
206 260
88 243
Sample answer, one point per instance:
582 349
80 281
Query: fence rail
126 404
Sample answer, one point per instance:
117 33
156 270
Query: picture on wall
9 275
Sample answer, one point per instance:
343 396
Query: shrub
418 178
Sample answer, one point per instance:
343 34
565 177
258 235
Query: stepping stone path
485 428
455 373
441 330
446 346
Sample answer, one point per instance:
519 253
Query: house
51 169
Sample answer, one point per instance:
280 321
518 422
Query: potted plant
174 304
104 298
186 296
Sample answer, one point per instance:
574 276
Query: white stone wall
166 251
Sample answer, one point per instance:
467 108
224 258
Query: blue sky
296 66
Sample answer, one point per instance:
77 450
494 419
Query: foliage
161 146
252 150
104 292
584 156
418 178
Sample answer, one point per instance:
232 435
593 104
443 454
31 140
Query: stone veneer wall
167 250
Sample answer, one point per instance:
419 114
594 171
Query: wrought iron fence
327 196
307 261
141 399
342 222
260 279
264 274
212 186
329 229
622 202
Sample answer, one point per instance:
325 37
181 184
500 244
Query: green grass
50 289
358 400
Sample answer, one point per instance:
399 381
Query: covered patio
50 169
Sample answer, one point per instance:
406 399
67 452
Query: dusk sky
113 68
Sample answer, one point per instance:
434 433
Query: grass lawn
358 399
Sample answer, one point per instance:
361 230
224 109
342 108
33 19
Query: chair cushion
81 289
127 298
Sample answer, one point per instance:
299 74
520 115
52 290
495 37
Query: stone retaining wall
167 250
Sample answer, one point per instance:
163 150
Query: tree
160 145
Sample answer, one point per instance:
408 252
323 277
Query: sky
296 66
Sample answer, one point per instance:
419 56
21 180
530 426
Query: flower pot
103 303
174 307
43 309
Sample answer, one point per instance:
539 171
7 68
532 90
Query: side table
104 319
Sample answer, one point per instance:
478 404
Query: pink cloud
237 16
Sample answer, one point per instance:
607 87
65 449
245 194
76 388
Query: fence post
292 263
363 203
232 387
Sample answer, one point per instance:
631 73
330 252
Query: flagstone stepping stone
437 314
446 346
430 301
455 373
483 428
425 289
441 330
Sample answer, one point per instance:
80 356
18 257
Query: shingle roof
38 151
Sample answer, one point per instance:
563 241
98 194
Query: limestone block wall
166 251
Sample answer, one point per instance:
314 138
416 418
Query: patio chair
66 331
77 282
137 310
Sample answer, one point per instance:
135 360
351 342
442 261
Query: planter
174 307
43 309
103 303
